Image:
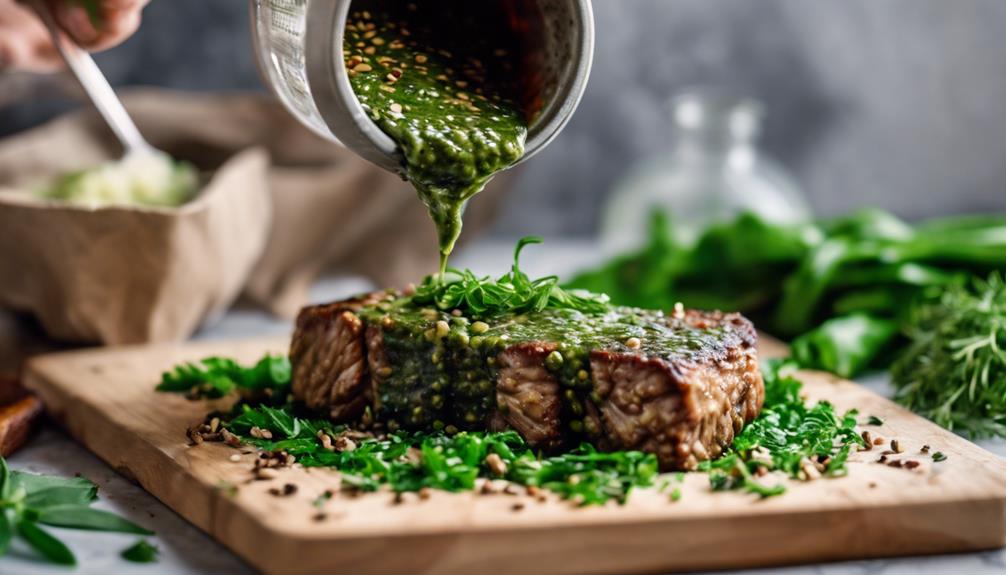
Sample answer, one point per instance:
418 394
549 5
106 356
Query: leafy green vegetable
844 345
513 292
939 456
28 500
792 279
874 420
954 370
83 517
216 377
789 436
141 552
42 541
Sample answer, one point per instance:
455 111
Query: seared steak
678 385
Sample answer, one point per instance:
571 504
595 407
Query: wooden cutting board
106 399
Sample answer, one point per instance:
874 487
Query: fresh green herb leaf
83 517
27 500
48 546
844 345
788 436
676 494
874 420
513 292
215 377
6 488
320 500
939 456
790 278
141 552
47 490
6 532
954 370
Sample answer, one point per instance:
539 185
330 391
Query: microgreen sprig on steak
513 292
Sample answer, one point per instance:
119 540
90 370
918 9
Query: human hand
94 24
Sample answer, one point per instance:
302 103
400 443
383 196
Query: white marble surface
185 550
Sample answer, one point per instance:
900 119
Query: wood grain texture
105 399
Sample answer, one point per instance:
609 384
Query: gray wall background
894 103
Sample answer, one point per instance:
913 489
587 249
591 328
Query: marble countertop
186 550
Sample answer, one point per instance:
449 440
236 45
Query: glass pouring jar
299 46
713 172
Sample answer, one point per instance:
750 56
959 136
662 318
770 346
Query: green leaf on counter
48 546
46 490
845 345
5 483
6 532
28 499
83 517
141 552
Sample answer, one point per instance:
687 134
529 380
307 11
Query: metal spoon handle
94 84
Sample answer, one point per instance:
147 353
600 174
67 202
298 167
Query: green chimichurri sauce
444 364
447 112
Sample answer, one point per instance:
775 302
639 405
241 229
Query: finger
30 56
74 19
108 24
115 32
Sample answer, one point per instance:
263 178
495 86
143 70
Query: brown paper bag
123 274
330 212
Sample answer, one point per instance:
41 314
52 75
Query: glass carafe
713 172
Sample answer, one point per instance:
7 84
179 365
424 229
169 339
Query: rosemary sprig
954 371
513 292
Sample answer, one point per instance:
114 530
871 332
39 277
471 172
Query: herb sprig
216 377
954 371
513 292
789 436
28 501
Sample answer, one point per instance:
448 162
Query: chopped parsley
789 436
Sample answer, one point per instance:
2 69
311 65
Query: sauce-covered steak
679 385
